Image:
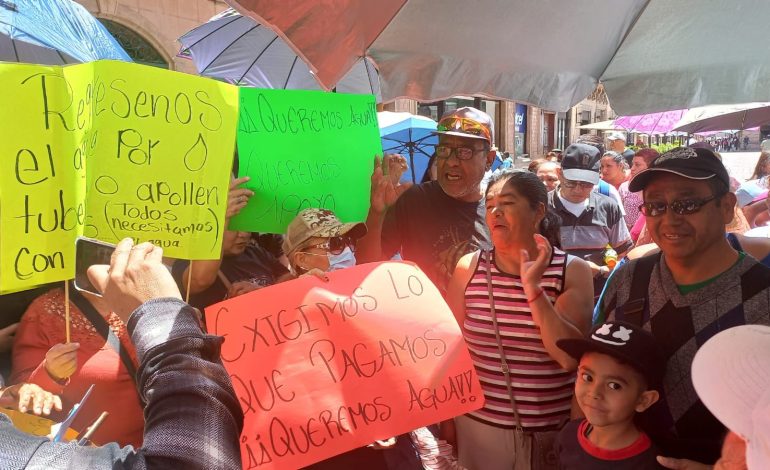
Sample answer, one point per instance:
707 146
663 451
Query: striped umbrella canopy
239 50
653 123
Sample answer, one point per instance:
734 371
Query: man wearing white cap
696 288
618 144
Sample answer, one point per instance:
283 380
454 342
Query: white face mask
346 259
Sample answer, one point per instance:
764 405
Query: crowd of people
600 293
728 144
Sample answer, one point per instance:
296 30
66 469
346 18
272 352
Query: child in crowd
618 376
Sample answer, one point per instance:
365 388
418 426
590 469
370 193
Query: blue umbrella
53 32
407 134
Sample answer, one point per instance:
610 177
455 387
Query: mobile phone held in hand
89 252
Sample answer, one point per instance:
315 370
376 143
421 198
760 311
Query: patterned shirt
681 323
541 388
631 203
587 236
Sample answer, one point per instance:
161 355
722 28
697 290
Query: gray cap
580 162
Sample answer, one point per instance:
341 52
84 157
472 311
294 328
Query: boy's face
609 392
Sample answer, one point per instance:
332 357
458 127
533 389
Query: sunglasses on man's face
574 184
336 245
680 207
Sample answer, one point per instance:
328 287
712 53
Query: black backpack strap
103 328
633 309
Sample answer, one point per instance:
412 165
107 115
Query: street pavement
740 164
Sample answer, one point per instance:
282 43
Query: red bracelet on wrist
537 296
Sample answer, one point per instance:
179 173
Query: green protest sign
110 150
304 149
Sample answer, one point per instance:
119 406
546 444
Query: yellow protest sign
43 186
165 151
110 150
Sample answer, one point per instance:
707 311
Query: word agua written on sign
305 149
321 369
84 142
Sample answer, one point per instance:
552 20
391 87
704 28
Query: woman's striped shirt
542 389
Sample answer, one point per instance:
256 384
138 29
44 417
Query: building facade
521 130
148 29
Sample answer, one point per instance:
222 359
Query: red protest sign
322 368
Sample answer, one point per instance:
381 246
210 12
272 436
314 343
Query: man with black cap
435 223
590 221
618 380
695 287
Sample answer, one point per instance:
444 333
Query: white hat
616 136
731 373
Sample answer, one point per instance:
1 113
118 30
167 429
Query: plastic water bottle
610 257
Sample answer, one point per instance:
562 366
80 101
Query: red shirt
41 327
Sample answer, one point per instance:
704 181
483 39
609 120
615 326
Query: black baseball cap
688 162
580 162
626 342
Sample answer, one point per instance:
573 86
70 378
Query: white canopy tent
651 55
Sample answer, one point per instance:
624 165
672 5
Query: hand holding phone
89 252
134 275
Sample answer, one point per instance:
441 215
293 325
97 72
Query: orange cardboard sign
322 368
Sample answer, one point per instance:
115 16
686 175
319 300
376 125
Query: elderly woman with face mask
316 240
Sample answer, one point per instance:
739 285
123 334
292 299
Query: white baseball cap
731 373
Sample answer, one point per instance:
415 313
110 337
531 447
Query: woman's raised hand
532 271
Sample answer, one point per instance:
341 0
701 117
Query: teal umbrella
53 32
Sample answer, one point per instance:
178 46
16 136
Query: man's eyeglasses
680 207
462 153
574 184
336 245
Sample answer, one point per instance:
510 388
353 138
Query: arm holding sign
385 192
39 356
205 271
